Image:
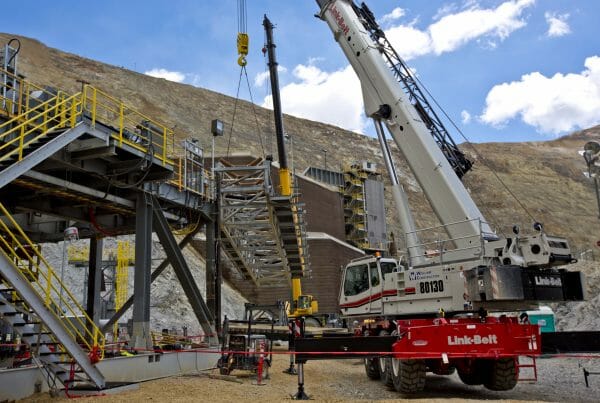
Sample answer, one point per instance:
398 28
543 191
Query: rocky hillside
546 177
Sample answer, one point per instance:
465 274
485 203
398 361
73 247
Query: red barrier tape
331 353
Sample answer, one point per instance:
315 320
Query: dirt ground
345 380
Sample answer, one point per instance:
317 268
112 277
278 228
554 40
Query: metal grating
261 234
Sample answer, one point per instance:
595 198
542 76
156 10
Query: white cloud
465 116
557 24
334 98
396 14
452 31
261 78
176 76
556 104
409 42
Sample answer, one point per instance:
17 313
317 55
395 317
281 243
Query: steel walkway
263 235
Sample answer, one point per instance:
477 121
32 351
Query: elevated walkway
83 160
92 149
262 234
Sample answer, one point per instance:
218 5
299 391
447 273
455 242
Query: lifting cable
476 152
242 47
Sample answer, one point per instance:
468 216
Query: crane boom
385 99
474 267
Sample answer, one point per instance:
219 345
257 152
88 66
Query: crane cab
366 281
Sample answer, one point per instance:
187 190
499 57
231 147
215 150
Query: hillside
546 176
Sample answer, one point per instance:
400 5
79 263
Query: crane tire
408 375
372 368
475 375
502 374
385 366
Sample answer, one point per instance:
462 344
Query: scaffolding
364 213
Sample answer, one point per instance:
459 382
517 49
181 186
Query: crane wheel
408 375
502 375
372 368
385 366
474 374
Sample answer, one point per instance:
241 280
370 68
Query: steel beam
94 281
183 273
210 269
141 337
79 188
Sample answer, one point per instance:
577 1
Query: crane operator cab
376 285
367 281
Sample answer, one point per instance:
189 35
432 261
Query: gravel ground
560 380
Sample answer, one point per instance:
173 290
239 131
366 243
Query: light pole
325 153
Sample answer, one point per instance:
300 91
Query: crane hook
242 46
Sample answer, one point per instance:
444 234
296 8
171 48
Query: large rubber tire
385 366
502 375
372 368
408 375
477 374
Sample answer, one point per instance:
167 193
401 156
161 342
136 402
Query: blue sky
504 70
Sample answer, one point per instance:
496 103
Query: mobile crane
447 303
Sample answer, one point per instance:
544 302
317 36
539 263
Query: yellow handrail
133 128
25 131
61 110
16 245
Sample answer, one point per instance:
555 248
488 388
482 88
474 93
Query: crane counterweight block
459 338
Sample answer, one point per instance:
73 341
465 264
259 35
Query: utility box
544 318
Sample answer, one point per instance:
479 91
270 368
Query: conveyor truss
262 234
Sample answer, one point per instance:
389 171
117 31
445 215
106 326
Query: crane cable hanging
242 36
479 155
243 41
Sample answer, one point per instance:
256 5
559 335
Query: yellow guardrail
19 99
30 119
186 177
133 128
21 131
15 244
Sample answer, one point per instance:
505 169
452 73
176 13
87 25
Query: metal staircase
44 312
38 132
263 235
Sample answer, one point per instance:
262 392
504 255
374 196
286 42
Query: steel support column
213 272
210 269
94 280
141 281
216 223
183 273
